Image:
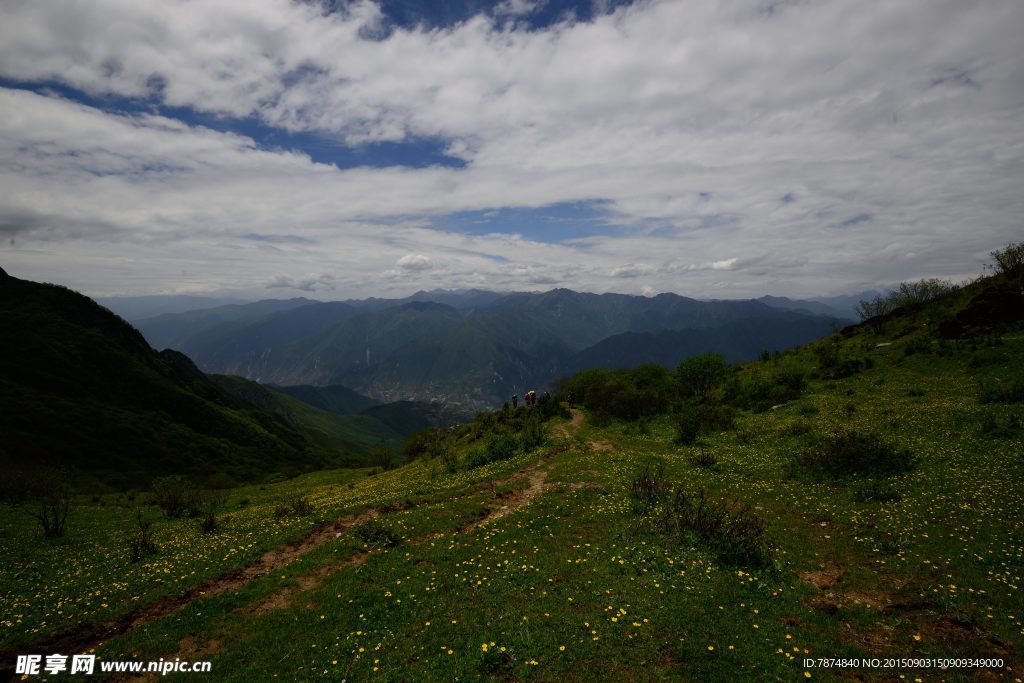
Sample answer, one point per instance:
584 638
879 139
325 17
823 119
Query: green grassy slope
571 578
334 399
80 388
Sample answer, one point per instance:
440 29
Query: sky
713 148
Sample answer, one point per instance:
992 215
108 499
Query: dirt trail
90 635
566 431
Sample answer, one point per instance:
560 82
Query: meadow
542 567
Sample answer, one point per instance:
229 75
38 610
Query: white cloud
517 7
689 121
630 270
727 264
414 262
307 284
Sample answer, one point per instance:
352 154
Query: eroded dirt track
87 636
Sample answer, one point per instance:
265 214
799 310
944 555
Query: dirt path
90 635
566 431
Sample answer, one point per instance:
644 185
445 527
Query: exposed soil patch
599 446
517 498
565 431
90 635
825 578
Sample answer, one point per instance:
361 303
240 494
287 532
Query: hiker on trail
515 401
571 398
531 397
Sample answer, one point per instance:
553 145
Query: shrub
921 291
502 446
426 443
703 458
761 393
200 503
917 345
906 294
170 494
827 353
383 456
298 506
874 307
141 544
699 376
798 428
449 460
732 530
1009 261
716 417
1010 390
649 487
848 368
875 491
52 508
687 421
476 458
850 453
378 535
209 523
531 435
997 428
623 394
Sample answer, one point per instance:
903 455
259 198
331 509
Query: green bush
699 376
502 446
1009 390
141 544
375 534
703 458
875 491
649 487
761 393
298 506
732 530
1009 261
852 453
997 428
687 423
426 443
171 494
531 434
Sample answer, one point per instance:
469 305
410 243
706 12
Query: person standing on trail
571 398
515 401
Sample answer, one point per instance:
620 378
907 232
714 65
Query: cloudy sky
715 148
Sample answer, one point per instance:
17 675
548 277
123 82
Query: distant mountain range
475 348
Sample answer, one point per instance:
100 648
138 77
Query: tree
872 308
699 376
383 456
1010 260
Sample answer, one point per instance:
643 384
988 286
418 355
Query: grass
572 586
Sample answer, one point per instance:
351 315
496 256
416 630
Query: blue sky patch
854 220
419 152
552 224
